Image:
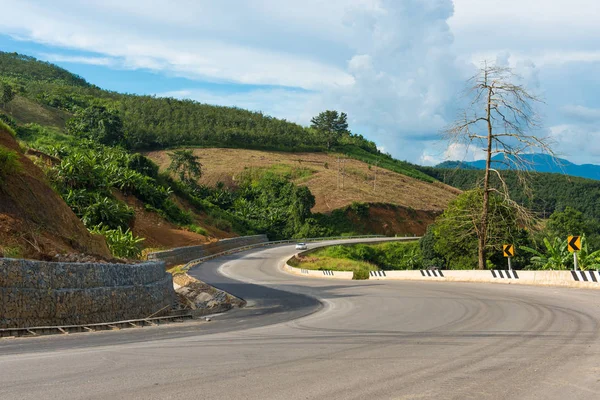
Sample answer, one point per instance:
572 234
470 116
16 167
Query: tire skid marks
542 319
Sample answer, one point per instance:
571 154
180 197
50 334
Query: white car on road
301 246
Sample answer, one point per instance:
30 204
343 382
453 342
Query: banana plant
587 259
556 255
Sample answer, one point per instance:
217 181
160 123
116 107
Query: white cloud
183 49
582 113
395 66
105 61
404 73
578 144
462 152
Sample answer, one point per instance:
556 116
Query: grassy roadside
361 258
360 268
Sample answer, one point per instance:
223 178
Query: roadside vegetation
452 244
362 258
90 141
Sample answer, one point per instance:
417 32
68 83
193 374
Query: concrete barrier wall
582 279
38 293
182 255
318 274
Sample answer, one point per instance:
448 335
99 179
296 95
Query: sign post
509 252
574 245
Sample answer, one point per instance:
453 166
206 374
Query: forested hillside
149 122
548 192
90 144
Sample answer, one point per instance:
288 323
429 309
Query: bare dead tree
499 118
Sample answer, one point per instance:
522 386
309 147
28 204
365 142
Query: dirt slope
325 182
34 221
390 220
160 233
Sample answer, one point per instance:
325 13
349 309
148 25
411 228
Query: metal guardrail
104 326
198 261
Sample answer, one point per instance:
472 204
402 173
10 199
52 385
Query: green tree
7 94
98 124
302 201
185 165
457 230
566 223
431 258
332 126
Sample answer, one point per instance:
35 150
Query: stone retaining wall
182 255
38 293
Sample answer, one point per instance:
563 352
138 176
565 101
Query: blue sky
395 66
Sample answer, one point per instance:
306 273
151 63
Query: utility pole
343 171
338 173
375 178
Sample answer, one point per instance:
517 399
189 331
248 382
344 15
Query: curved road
361 340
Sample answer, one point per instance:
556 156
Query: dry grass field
333 186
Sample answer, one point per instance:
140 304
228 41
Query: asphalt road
361 340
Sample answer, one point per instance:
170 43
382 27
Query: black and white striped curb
329 273
304 271
586 276
432 273
498 273
377 273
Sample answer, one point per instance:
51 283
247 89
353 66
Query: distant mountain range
537 162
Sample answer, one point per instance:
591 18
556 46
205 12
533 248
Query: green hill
88 143
152 123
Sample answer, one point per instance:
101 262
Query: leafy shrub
197 229
143 165
360 209
81 170
111 212
8 121
121 243
360 274
9 162
11 252
176 214
222 224
5 127
312 229
96 208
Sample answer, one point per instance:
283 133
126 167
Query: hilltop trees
7 93
98 124
497 118
332 126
